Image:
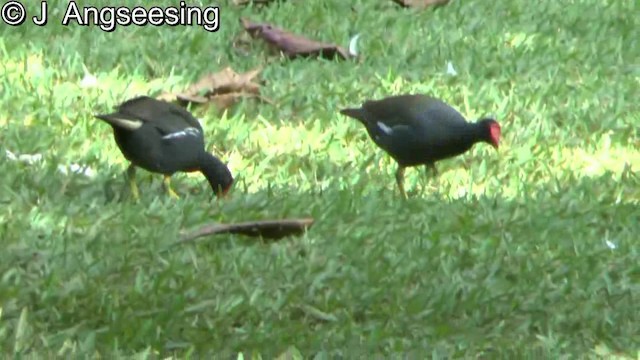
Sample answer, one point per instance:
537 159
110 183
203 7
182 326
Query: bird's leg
400 180
167 186
131 176
431 167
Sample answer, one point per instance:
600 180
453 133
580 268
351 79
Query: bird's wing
170 120
414 110
397 110
414 121
176 123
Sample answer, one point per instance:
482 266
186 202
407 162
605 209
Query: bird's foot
134 190
400 181
131 176
403 194
173 194
431 167
167 186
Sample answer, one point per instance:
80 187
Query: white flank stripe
190 131
387 130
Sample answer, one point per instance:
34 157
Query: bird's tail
356 113
121 121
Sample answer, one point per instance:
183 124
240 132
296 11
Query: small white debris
77 169
88 81
190 131
450 70
611 245
387 130
25 158
31 159
353 45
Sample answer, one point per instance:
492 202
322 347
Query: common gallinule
164 138
418 129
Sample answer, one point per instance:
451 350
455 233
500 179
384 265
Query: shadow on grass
550 271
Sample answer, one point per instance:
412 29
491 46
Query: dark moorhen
164 138
418 129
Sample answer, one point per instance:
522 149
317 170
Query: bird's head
217 174
492 131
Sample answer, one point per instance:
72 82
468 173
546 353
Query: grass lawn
528 252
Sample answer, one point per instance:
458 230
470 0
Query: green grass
504 255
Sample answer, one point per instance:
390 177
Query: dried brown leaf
421 3
223 88
293 45
267 229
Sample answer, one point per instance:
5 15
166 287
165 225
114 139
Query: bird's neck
213 169
471 134
209 164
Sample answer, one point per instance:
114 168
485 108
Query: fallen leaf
223 89
422 4
267 229
293 45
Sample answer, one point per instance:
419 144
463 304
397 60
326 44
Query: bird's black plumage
418 129
165 138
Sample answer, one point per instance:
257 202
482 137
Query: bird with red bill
418 129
